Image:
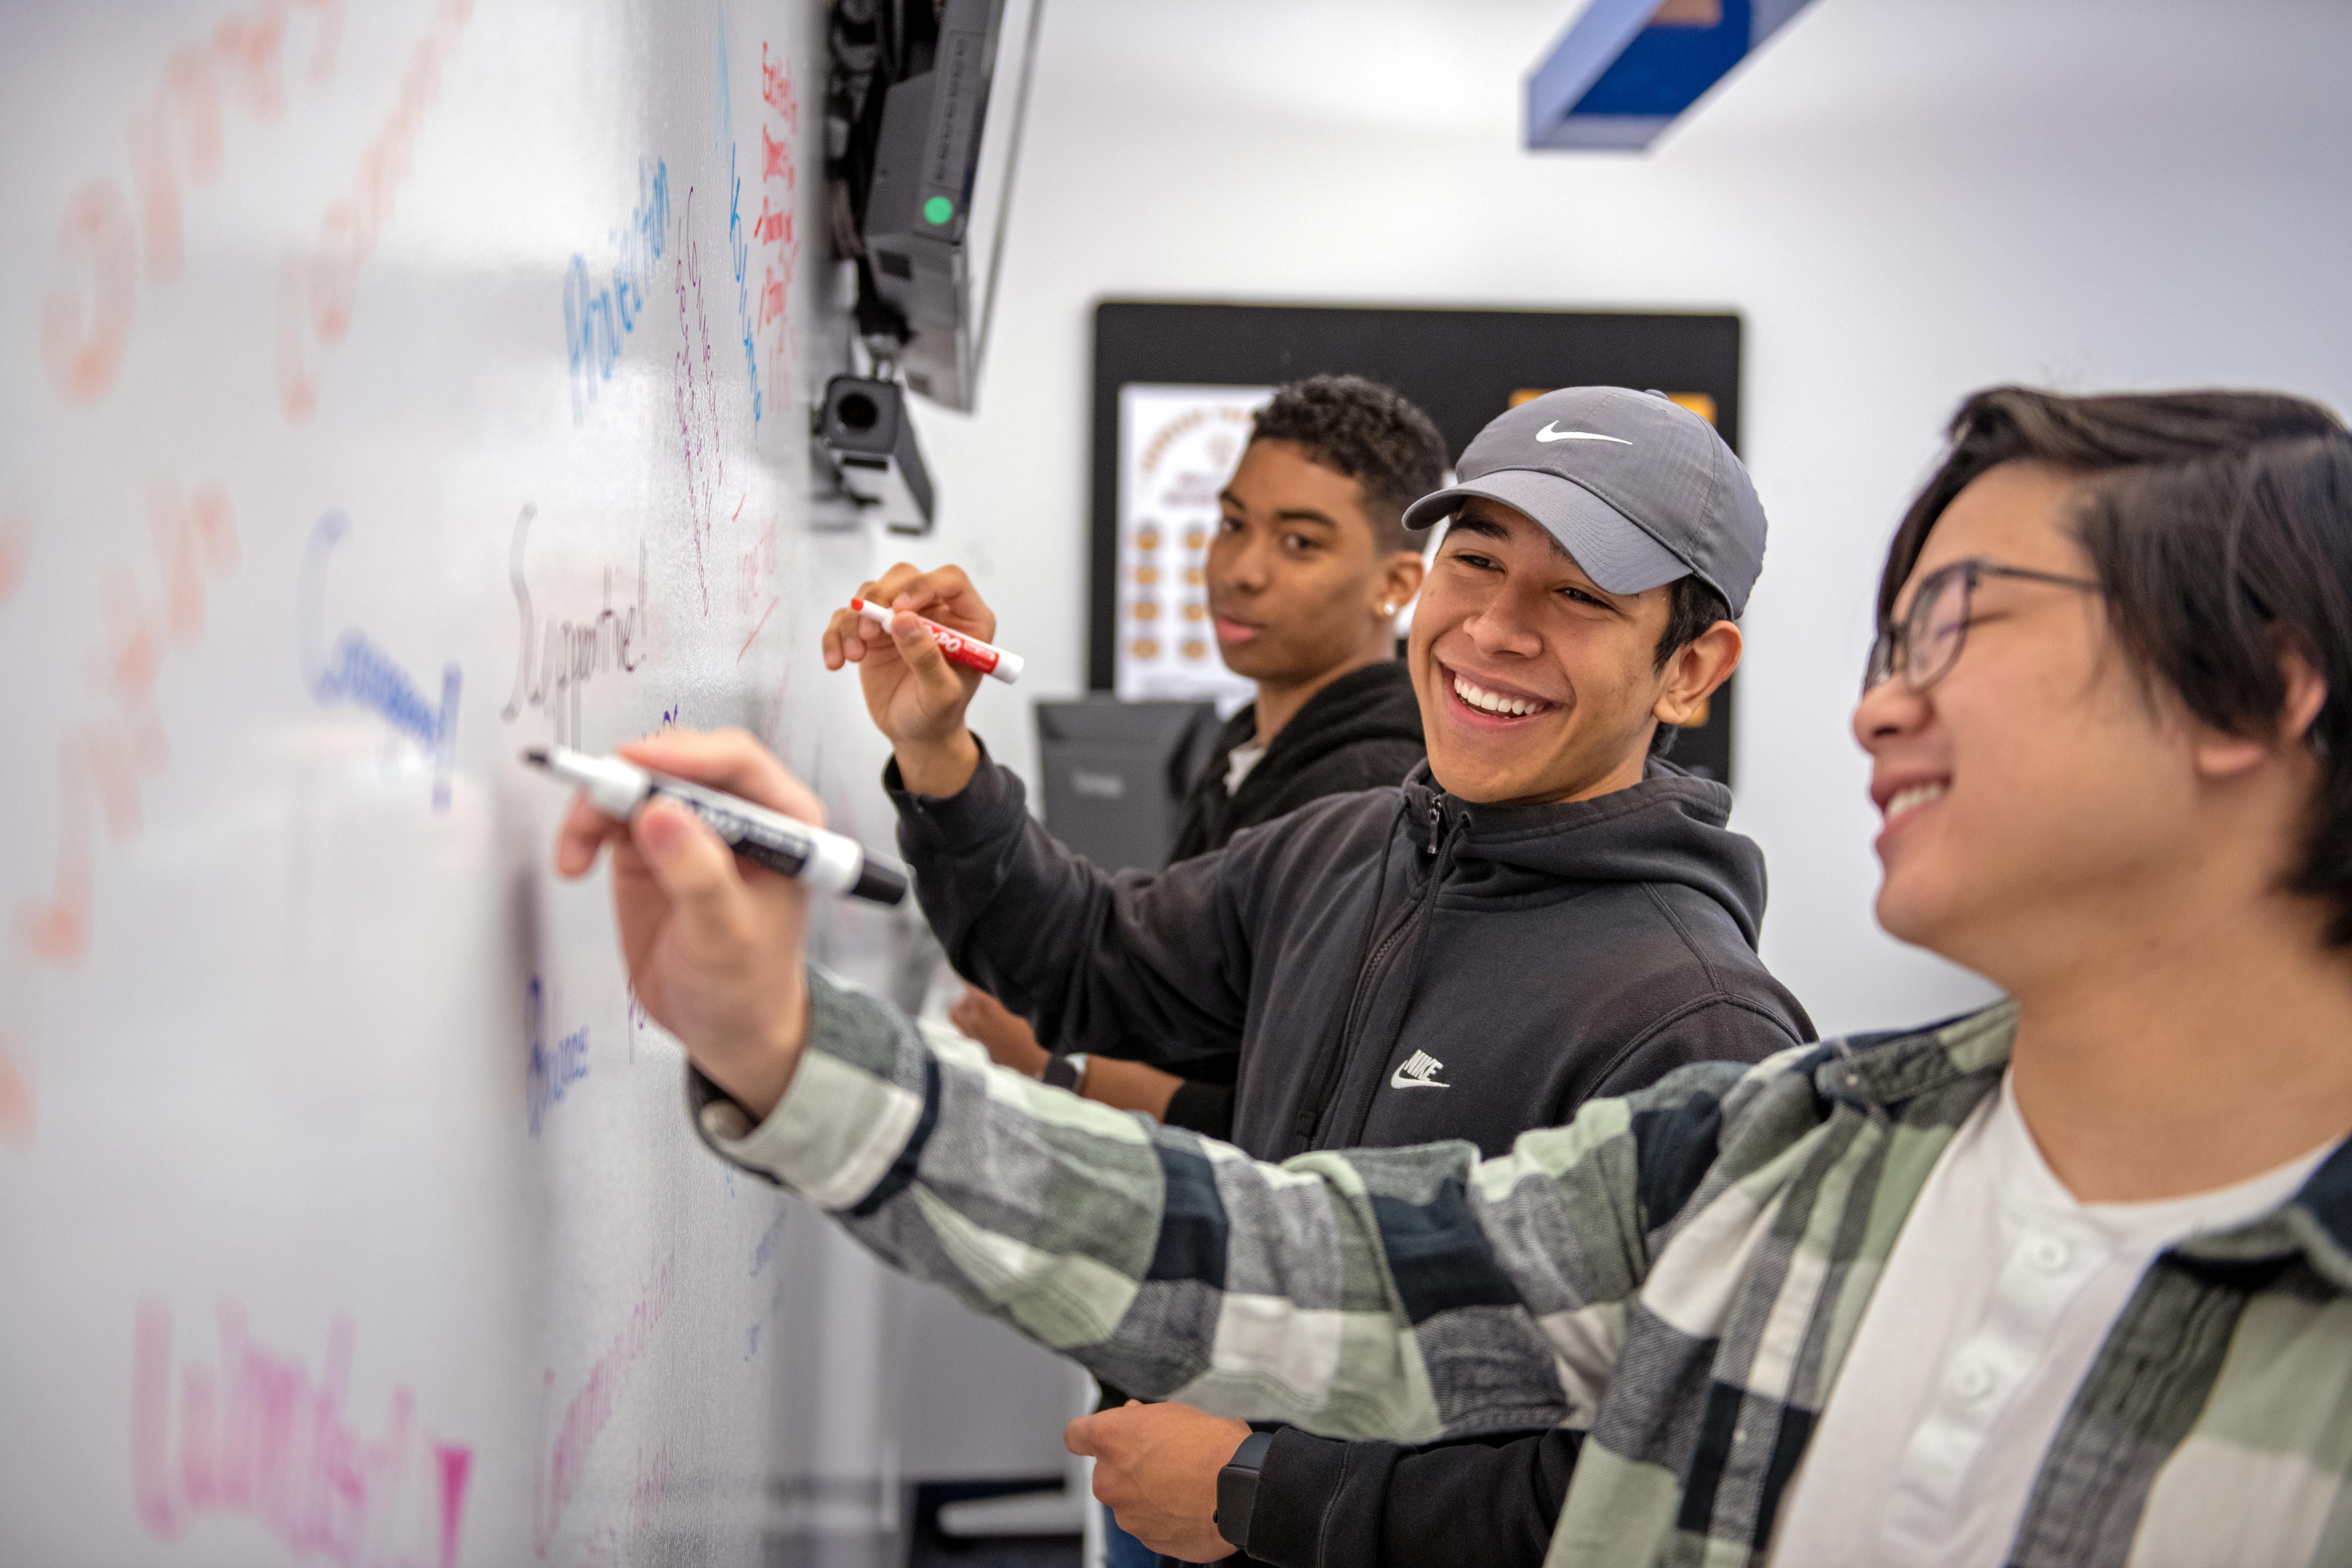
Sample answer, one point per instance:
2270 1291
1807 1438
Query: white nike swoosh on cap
1551 433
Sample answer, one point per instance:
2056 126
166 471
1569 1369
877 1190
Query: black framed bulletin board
1185 376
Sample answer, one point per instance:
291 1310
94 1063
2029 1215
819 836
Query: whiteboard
388 387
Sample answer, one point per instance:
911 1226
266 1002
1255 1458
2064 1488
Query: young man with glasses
2068 1279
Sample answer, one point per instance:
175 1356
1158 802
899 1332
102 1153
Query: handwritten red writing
101 763
316 288
258 1437
175 140
776 227
590 1410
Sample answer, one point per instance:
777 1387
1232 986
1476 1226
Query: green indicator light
937 210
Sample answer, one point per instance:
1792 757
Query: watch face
1238 1488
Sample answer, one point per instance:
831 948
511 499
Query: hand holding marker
968 651
770 838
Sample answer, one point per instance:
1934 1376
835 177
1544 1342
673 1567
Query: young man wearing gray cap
1547 912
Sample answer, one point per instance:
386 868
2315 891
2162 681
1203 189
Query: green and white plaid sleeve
1404 1293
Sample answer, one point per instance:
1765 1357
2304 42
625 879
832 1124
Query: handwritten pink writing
755 573
590 1410
101 763
316 288
16 552
175 137
609 1547
258 1437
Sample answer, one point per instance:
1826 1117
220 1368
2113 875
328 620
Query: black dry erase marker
766 837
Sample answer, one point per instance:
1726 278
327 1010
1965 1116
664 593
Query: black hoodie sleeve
1147 968
1322 1503
1204 1107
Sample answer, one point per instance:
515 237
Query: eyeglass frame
1891 652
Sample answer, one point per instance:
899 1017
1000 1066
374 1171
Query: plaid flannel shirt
1680 1272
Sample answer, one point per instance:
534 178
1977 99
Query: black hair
2219 526
1693 607
1367 432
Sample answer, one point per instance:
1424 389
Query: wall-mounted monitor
942 180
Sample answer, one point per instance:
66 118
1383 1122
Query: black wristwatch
1237 1487
1066 1072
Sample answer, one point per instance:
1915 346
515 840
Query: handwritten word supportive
558 659
590 1410
359 672
101 764
258 1437
316 288
175 140
597 316
552 1070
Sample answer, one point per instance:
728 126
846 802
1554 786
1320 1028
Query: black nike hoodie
1361 731
1391 966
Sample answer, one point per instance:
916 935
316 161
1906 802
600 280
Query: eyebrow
1284 514
1486 528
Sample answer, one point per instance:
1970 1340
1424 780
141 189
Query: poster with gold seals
1177 447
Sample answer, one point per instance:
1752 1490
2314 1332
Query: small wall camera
863 432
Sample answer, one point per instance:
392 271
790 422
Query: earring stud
1387 610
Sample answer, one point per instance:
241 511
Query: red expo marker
968 651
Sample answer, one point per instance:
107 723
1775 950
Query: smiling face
2035 788
1536 684
1295 578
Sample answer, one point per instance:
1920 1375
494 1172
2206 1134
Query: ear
1398 580
1694 672
2219 756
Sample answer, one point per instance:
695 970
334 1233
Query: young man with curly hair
1307 571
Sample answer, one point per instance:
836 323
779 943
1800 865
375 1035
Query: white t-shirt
1998 1294
1238 763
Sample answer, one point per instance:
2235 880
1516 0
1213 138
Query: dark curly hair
2219 526
1369 433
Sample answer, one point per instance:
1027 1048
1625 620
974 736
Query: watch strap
1237 1487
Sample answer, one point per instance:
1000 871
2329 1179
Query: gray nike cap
1638 488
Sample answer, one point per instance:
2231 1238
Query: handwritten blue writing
359 672
552 1072
595 318
738 245
765 1248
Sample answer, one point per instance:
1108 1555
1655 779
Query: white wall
1906 199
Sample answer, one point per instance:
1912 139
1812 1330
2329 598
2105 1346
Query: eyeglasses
1925 645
